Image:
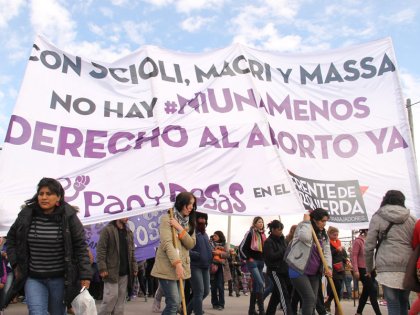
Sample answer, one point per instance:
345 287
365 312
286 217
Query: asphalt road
233 306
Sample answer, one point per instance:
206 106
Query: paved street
234 306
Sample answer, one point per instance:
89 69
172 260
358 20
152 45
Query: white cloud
17 46
120 2
135 31
159 3
94 51
265 36
106 12
195 23
9 10
283 8
402 17
96 29
191 5
49 17
410 86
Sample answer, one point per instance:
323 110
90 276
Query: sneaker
156 306
246 293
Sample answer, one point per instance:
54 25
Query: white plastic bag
84 304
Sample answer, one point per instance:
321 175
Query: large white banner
249 132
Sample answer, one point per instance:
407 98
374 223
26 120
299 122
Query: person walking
392 228
339 261
369 289
277 269
117 265
173 263
221 272
251 249
305 264
47 249
201 258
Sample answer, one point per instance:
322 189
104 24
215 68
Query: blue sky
105 30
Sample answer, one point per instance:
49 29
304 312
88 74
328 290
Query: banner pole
229 230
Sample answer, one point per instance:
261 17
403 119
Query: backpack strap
382 236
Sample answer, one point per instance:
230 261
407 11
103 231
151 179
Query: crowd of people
46 258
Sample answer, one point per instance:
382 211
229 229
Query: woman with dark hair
305 264
201 258
359 266
172 263
251 249
221 273
390 233
277 269
47 249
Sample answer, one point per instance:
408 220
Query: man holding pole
172 264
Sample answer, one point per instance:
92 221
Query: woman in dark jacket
201 258
339 260
251 249
47 250
217 280
277 269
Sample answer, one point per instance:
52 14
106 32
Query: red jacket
416 239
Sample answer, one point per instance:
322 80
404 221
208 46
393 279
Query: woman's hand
103 274
328 273
85 283
173 222
17 273
179 271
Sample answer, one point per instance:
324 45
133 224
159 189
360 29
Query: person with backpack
390 234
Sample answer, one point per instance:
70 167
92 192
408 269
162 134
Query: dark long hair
53 185
393 197
183 199
275 224
317 215
222 238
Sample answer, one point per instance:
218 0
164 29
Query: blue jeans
200 285
218 288
396 300
45 295
172 296
255 267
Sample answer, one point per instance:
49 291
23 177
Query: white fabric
242 128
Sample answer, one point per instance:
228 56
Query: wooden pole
330 280
181 281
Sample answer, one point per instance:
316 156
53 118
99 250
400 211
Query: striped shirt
46 248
